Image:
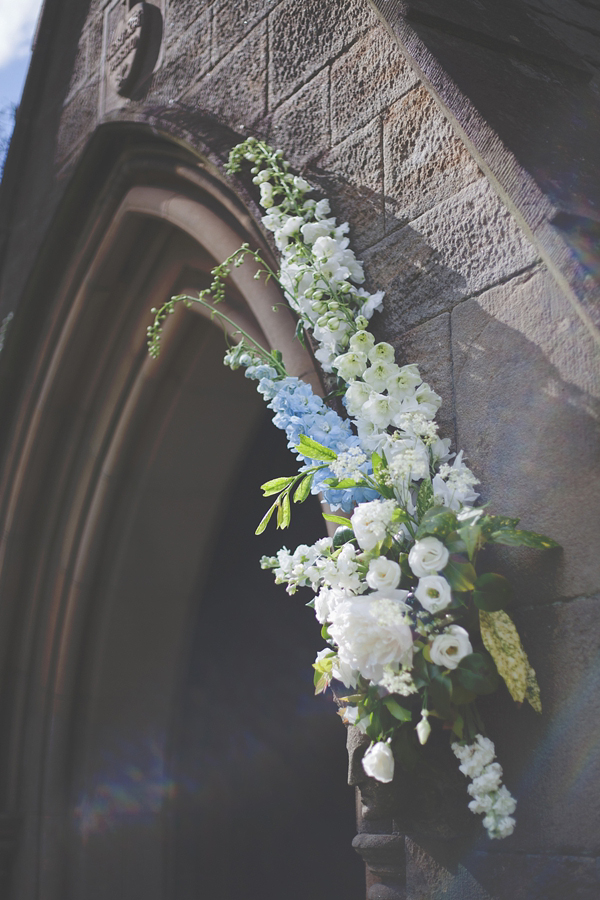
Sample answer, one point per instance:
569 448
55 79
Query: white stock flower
433 593
489 780
476 756
383 573
370 522
450 647
428 556
371 631
378 762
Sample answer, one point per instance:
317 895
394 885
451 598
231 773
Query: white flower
428 556
378 762
433 593
350 365
356 397
371 632
476 756
326 600
382 352
504 802
362 341
380 372
404 383
450 647
341 671
383 573
489 780
372 303
482 804
423 727
370 522
379 409
322 209
347 464
397 682
301 184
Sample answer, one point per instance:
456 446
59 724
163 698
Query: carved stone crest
125 54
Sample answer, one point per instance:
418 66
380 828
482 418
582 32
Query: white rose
427 557
378 762
433 592
383 573
450 647
371 631
370 521
326 600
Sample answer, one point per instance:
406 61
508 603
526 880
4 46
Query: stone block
232 21
235 90
365 80
77 121
316 31
79 70
527 385
185 60
353 181
456 249
95 31
424 160
429 346
179 16
300 126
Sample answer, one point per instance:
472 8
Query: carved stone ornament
127 49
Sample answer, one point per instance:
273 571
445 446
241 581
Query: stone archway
110 460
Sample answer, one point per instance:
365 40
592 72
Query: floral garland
413 633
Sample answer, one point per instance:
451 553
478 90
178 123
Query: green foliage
492 592
438 522
424 498
313 450
477 673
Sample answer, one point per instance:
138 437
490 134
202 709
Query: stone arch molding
78 458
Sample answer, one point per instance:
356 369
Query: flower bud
361 323
423 728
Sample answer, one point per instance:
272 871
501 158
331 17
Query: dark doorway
262 806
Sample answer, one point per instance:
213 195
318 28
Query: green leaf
342 536
438 521
378 466
276 485
300 332
440 693
399 712
303 489
321 683
338 520
313 450
284 511
477 673
516 538
265 519
400 516
471 535
490 524
460 574
325 632
460 695
341 485
492 592
502 640
424 498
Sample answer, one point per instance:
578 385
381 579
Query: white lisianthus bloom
371 632
378 762
383 573
450 647
370 522
433 593
379 373
350 365
428 556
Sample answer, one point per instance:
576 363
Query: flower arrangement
412 631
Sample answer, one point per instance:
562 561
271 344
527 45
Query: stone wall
467 298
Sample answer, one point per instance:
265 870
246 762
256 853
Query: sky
17 24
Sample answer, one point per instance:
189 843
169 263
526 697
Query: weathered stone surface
585 41
186 60
317 31
527 381
429 346
235 89
179 16
455 249
301 124
95 45
79 72
353 181
365 80
500 876
78 120
232 21
424 160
